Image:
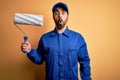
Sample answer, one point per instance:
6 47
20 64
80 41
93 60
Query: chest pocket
73 56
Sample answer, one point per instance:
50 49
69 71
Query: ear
53 17
68 16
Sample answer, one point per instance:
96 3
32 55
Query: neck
61 30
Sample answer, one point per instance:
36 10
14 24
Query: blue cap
61 5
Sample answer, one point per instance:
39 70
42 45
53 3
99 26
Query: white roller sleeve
30 19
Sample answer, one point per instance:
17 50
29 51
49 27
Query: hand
26 47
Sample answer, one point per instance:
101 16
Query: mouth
60 21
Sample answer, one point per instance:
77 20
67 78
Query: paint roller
27 19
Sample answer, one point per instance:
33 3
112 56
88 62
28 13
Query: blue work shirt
61 53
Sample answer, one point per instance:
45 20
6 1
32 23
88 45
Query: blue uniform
61 53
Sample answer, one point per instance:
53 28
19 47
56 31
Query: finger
26 42
25 45
24 50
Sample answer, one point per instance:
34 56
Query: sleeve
36 56
84 61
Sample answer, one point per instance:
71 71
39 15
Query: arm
34 55
84 62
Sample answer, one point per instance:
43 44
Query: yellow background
97 20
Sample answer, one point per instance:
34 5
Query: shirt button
61 60
61 74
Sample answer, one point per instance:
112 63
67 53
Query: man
61 49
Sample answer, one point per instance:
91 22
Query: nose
60 15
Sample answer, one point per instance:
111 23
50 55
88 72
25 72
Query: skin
60 17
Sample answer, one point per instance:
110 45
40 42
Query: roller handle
25 39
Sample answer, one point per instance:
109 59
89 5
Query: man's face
60 17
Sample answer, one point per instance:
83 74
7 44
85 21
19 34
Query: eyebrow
58 10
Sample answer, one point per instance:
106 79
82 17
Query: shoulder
75 33
46 35
77 36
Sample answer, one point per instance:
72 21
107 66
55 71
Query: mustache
60 20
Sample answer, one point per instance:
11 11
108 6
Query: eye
56 13
63 12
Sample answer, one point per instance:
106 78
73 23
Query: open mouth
60 21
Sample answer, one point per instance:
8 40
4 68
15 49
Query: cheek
55 18
65 19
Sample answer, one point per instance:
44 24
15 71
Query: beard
61 24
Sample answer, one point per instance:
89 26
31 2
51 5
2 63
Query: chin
60 26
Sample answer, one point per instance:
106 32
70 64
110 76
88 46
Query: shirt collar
66 32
